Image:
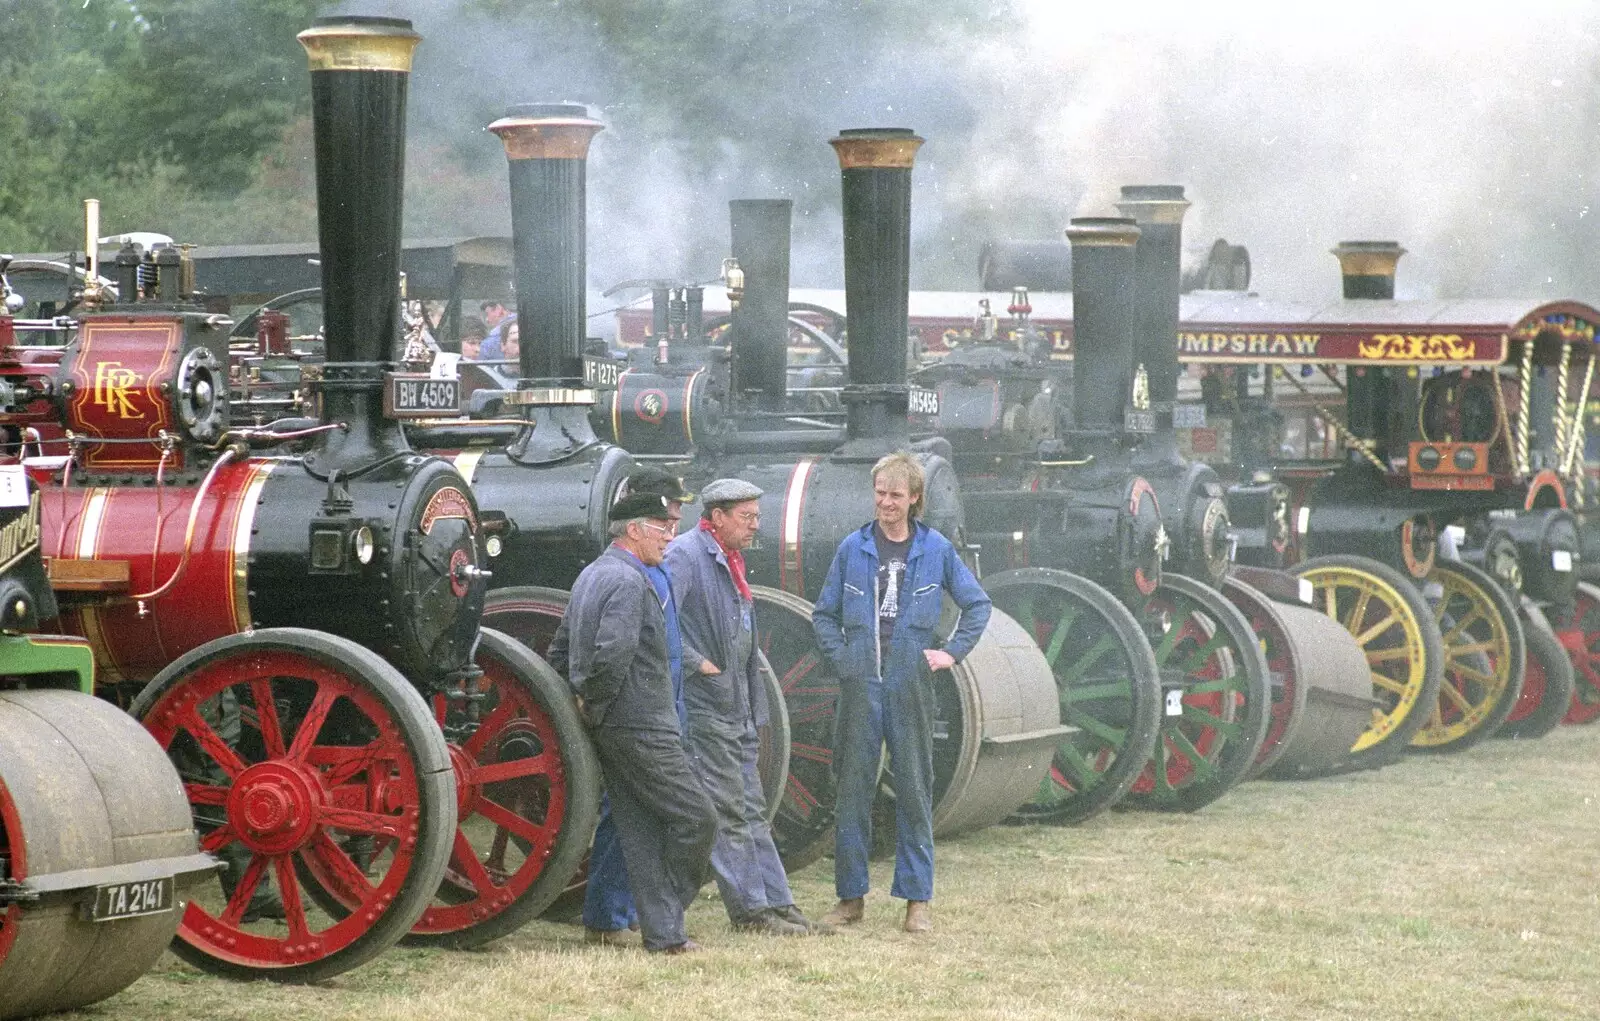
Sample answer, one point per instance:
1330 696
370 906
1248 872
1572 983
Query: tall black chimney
1102 323
876 168
1368 268
547 146
1158 209
761 322
359 71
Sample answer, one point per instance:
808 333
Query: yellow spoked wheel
1402 643
1484 655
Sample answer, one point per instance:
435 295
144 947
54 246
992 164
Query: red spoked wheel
1546 683
303 753
1582 641
1217 697
1287 710
527 797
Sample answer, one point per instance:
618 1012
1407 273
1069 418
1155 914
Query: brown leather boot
846 912
919 916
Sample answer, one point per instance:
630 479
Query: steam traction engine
1434 434
301 634
720 411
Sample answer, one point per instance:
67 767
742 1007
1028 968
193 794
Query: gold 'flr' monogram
112 384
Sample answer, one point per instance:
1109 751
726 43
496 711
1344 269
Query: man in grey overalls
612 647
727 704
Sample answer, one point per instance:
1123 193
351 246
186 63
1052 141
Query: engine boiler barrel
389 570
761 231
1102 267
875 164
547 145
660 413
812 503
558 522
1158 209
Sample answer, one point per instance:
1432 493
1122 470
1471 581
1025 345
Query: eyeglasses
748 517
667 530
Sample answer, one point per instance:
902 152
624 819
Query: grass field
1463 887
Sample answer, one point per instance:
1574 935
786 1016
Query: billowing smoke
1465 134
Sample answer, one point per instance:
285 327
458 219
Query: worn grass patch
1463 887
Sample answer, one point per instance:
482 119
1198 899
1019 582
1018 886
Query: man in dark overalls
726 705
877 622
612 647
608 909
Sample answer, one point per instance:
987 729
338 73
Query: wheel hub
274 807
466 790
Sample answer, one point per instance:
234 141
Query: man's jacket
710 613
612 646
845 618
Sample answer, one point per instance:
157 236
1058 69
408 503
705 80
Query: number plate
924 401
416 395
1174 703
1137 421
131 900
602 373
1561 559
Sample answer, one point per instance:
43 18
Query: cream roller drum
94 824
1009 726
1338 693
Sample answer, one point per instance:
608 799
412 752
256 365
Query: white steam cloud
1465 132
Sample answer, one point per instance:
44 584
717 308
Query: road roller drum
97 851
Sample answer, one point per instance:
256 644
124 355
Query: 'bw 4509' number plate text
418 395
130 900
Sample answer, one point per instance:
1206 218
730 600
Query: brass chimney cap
876 148
1103 231
1154 203
1368 258
360 44
547 131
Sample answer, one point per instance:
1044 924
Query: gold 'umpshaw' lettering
20 537
1268 344
112 384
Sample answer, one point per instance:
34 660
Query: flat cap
730 491
639 505
648 478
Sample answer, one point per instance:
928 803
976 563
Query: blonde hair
902 467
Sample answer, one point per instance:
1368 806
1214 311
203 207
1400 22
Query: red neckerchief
735 562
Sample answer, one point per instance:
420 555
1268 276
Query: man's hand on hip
938 659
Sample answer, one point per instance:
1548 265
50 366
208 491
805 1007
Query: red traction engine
301 634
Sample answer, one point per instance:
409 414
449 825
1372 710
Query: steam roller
97 849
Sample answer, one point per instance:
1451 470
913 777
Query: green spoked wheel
1108 684
1399 638
1484 650
1546 680
1217 697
